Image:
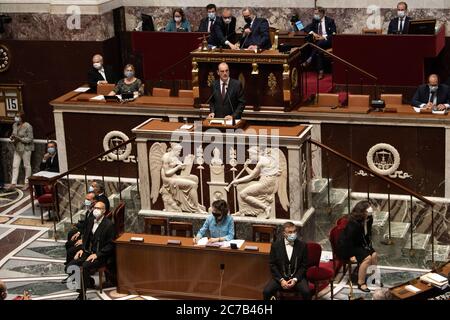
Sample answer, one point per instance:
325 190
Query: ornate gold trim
211 79
272 84
255 68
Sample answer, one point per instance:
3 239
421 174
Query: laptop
299 25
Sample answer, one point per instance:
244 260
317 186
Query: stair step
398 229
441 253
319 185
420 241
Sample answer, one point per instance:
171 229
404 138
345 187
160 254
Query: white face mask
211 15
97 213
401 14
177 19
227 20
369 211
17 119
97 65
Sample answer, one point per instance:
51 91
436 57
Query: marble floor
31 261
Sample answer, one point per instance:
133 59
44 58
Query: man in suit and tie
98 247
256 31
432 95
322 29
400 24
227 99
207 23
288 263
99 74
223 33
50 160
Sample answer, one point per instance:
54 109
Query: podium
396 60
270 78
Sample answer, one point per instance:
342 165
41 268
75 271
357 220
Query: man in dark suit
288 263
227 99
99 74
99 189
50 160
223 33
432 95
400 24
256 31
322 30
98 247
207 23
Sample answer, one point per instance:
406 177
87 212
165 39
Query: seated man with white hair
100 74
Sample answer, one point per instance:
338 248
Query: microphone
233 122
246 37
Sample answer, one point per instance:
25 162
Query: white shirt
401 23
434 102
96 224
289 248
210 24
226 86
324 30
102 72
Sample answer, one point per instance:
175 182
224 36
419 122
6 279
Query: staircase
398 254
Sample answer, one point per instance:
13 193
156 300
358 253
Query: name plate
251 248
213 245
136 239
174 242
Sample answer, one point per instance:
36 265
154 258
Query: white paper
202 242
98 98
230 122
46 174
432 111
411 288
136 239
437 277
326 256
215 121
186 127
238 242
81 89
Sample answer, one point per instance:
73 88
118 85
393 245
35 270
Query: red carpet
325 86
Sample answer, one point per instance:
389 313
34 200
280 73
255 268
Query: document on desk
81 89
46 174
98 98
419 110
412 288
202 242
238 242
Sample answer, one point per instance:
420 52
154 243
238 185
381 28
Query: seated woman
355 241
130 84
178 23
219 224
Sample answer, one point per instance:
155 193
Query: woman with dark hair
219 224
178 23
22 140
355 241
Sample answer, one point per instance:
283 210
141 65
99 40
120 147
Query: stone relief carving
179 186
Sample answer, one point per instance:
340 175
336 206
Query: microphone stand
233 122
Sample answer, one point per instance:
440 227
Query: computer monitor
147 22
422 26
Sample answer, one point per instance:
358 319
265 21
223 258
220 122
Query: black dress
354 242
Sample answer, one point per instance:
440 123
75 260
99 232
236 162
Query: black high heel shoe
363 290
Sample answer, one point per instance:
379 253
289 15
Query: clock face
5 58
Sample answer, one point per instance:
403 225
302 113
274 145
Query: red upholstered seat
45 198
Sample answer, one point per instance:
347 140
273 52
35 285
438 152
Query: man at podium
227 99
400 24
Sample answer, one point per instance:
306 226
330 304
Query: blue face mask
91 189
87 203
211 15
292 237
129 74
51 150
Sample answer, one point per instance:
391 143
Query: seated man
227 100
219 224
50 160
97 248
288 261
432 95
74 237
256 31
223 34
207 23
400 24
99 74
322 28
99 189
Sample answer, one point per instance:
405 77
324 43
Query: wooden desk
428 291
155 268
270 78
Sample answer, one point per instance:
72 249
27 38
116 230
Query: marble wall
351 16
